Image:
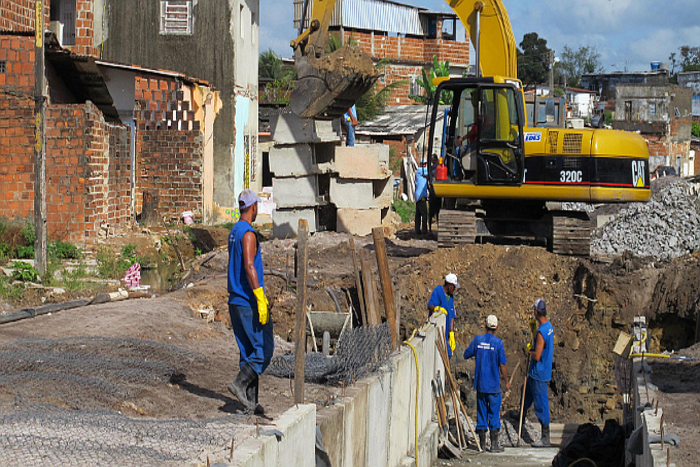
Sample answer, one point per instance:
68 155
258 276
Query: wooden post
358 282
39 144
387 286
300 331
370 292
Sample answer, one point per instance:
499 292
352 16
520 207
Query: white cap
452 279
492 322
247 198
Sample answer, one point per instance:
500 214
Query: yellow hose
657 355
644 338
583 459
415 358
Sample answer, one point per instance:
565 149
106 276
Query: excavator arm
327 84
492 35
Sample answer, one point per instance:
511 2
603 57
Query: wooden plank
40 245
370 292
300 331
358 282
387 286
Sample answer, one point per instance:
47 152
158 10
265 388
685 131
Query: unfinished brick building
407 37
102 153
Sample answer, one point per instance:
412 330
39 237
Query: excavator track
456 228
571 233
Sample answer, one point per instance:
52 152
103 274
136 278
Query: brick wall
84 29
87 178
408 55
18 15
170 164
17 127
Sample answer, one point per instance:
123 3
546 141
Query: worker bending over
490 358
442 300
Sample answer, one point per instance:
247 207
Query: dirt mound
347 60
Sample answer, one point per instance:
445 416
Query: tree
280 78
575 63
690 56
533 60
426 82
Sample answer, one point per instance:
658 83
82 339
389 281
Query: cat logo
638 174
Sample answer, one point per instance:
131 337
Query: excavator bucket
328 86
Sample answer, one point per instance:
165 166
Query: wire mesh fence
358 353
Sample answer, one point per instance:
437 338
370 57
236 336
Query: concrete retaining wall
372 425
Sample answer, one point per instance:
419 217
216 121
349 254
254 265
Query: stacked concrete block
348 189
364 187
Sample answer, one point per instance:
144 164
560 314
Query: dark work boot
239 386
495 447
482 439
252 394
544 441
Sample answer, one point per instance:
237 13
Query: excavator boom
495 31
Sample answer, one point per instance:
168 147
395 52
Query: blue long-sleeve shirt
421 183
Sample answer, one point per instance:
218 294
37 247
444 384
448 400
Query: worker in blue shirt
247 304
350 119
442 300
490 356
540 373
422 199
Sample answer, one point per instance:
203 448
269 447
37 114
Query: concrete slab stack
333 187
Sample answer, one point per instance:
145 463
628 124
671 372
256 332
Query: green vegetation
279 78
405 209
695 129
8 291
426 82
64 250
113 266
24 272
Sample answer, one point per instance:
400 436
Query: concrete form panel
384 192
402 403
296 192
355 194
290 129
285 222
364 161
378 428
292 161
358 221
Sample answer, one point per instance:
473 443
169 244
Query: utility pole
39 144
551 73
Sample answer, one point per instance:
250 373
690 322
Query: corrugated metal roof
376 15
399 120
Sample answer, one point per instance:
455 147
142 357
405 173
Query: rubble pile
666 227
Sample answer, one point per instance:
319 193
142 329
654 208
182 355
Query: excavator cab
482 139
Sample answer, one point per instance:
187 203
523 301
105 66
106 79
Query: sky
628 34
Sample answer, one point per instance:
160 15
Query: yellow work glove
529 347
262 305
453 344
441 309
533 326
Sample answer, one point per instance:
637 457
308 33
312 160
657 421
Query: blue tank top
239 290
542 370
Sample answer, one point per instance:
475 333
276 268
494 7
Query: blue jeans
538 392
488 408
255 341
351 133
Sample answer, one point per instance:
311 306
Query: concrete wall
373 424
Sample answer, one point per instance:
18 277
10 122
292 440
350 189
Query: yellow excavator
506 182
328 84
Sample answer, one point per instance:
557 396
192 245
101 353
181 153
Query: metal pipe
478 7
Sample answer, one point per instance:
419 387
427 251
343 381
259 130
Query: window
628 111
3 66
652 109
176 17
62 17
414 87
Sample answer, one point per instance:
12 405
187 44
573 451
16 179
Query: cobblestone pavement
49 436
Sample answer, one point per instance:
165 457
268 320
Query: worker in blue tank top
247 304
540 373
490 360
442 300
